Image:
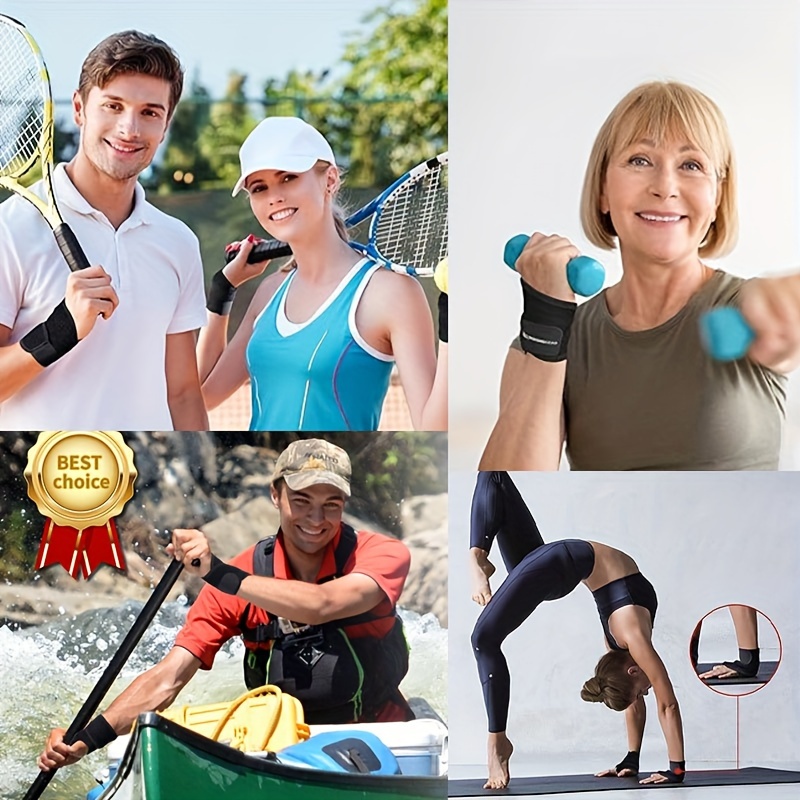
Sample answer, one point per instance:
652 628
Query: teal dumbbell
584 275
725 334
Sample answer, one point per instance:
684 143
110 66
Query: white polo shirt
114 379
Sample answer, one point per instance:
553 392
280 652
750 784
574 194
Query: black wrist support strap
98 733
443 316
748 663
631 762
224 577
220 295
675 773
53 338
545 324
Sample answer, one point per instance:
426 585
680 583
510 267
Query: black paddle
114 667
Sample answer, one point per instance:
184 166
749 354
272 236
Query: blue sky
261 38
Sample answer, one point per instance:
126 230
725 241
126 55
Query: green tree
395 91
183 157
228 125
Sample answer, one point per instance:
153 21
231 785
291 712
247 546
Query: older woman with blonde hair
626 602
630 386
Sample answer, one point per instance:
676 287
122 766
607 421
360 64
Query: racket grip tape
70 248
584 275
725 334
263 251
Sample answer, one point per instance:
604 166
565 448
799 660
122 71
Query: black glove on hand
631 762
675 773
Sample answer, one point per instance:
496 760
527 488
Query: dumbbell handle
584 275
725 334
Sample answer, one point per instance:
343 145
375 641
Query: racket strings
22 103
412 227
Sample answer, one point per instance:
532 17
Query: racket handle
70 248
725 334
584 275
263 251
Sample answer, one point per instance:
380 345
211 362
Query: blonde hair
337 209
611 683
663 111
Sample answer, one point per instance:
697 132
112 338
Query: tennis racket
408 230
26 130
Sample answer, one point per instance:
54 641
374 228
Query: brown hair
611 683
132 52
663 110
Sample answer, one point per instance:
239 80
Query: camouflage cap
307 462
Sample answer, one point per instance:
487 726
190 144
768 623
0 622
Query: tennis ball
440 275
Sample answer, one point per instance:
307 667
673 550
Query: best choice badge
80 480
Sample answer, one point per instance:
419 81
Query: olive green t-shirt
655 400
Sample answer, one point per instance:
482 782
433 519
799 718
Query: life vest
338 679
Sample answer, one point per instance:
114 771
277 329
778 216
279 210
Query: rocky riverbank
53 593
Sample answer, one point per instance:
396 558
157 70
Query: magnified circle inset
735 650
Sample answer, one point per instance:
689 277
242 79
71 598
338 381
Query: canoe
165 761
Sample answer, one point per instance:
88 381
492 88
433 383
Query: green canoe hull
165 761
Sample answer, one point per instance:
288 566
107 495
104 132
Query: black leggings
498 511
542 572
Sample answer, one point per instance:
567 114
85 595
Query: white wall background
704 540
718 638
531 81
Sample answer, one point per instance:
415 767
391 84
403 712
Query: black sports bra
632 590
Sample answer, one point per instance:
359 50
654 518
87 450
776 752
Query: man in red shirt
315 605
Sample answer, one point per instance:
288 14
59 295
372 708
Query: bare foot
481 569
499 749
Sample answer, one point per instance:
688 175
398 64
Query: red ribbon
80 551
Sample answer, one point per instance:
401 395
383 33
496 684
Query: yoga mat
765 671
555 784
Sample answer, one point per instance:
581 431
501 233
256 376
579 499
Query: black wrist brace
53 338
98 733
631 762
443 317
224 577
220 295
675 773
545 324
748 663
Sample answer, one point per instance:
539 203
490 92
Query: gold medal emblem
80 480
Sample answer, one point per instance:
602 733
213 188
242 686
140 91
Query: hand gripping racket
26 130
584 275
408 230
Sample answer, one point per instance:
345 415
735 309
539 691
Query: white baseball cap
285 143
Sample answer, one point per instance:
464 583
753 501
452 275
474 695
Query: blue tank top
319 375
632 590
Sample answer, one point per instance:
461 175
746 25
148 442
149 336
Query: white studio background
704 540
531 81
718 639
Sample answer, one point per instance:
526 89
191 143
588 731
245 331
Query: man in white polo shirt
111 346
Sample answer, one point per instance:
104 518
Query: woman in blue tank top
320 337
626 603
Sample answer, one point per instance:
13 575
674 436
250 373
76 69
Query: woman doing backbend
626 602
